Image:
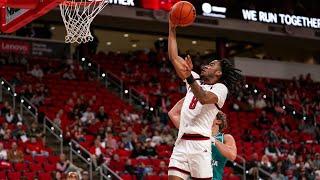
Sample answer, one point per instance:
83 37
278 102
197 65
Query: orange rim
73 3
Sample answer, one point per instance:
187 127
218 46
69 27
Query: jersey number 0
193 103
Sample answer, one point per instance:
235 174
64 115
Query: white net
77 16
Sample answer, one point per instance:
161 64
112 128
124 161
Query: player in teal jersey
223 145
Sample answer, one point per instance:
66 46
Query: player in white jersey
206 94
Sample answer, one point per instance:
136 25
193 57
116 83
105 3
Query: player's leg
200 160
178 167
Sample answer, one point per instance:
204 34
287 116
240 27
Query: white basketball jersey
196 118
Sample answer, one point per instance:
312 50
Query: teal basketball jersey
218 161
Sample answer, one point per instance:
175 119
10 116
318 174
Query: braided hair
231 76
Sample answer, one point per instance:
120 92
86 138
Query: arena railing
9 89
79 151
27 107
107 174
114 83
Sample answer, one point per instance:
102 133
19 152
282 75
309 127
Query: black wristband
190 79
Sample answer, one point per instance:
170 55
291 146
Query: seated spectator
167 137
163 169
149 150
263 119
265 164
20 133
109 142
13 117
252 165
260 102
116 164
36 148
64 166
37 71
15 155
85 175
138 150
126 116
97 153
69 75
156 139
247 136
272 150
35 131
68 108
79 135
87 116
3 129
101 114
129 168
28 92
16 80
6 108
284 125
3 153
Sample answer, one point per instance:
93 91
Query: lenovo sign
15 46
34 47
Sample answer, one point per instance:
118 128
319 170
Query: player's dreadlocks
231 76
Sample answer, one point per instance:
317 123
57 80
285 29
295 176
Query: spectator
252 165
15 155
36 148
260 102
37 71
129 168
5 109
3 153
64 166
156 139
97 153
110 141
85 175
87 116
138 150
20 133
163 169
16 80
79 135
13 117
247 136
277 175
272 151
101 114
265 164
116 164
69 75
149 150
35 131
263 119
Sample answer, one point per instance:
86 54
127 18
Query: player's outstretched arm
178 62
228 149
174 113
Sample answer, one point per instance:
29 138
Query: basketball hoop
77 16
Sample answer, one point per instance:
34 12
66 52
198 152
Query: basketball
183 13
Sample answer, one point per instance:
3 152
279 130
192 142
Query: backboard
16 14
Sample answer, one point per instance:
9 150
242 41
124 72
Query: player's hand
183 67
171 25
